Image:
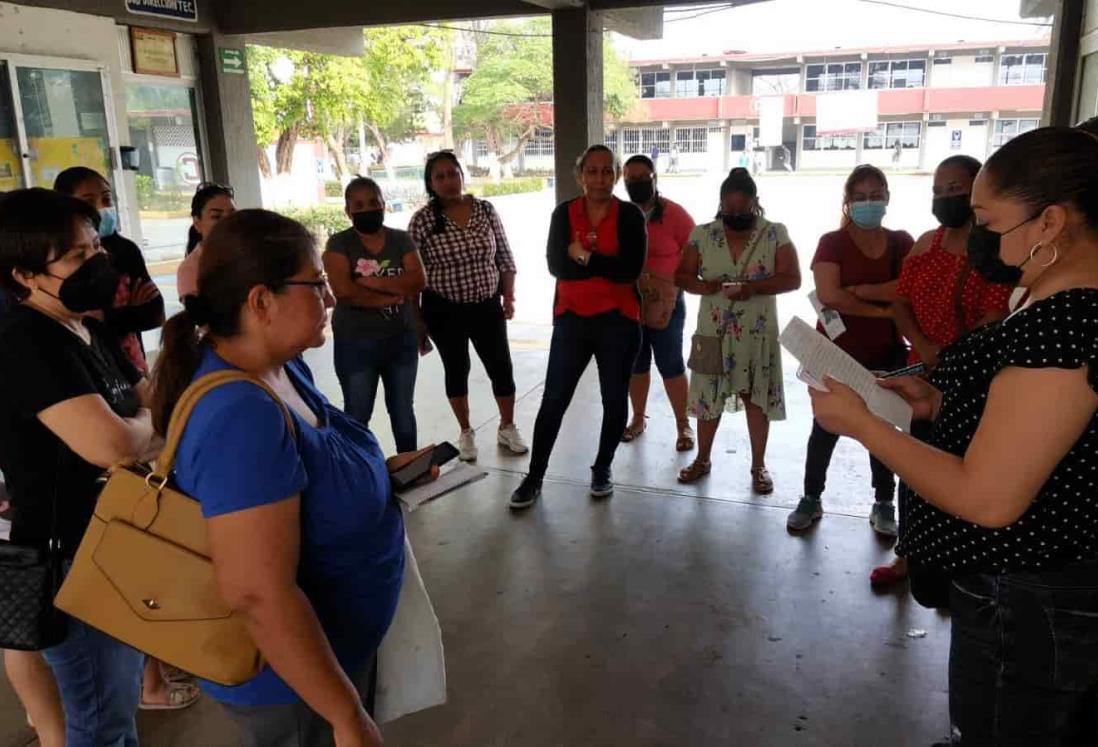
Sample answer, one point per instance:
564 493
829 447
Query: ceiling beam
259 16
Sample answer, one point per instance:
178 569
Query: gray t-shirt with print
357 321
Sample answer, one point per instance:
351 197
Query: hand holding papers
820 358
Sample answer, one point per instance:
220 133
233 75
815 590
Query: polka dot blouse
1061 526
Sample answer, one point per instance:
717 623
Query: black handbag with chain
30 576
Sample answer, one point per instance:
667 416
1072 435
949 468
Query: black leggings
613 341
821 444
453 326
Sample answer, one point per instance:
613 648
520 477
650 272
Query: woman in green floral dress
738 264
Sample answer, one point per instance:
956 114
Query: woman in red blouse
941 296
596 250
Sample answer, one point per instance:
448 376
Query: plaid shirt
463 264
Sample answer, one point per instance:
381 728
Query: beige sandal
180 695
632 432
695 471
761 482
685 441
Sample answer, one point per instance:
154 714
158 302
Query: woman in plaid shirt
470 294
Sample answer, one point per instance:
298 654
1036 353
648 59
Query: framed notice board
153 52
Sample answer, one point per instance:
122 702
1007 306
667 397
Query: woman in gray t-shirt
375 273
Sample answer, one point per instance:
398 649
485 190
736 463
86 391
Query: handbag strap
185 407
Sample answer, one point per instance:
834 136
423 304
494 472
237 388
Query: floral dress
752 355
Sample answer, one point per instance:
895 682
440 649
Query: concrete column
1063 64
230 131
577 91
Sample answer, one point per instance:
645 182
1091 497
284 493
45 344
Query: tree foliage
328 96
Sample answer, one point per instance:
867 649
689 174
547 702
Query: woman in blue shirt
306 536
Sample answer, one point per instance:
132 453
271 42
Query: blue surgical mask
868 214
108 221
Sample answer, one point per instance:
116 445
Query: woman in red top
856 269
941 296
596 250
669 228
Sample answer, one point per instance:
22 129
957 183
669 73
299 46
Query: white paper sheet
832 322
450 479
819 358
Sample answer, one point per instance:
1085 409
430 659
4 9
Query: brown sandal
761 482
632 432
686 439
695 472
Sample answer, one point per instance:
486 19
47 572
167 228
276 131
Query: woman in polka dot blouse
1004 495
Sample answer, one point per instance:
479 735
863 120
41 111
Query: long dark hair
1049 166
202 196
657 209
69 180
435 203
245 249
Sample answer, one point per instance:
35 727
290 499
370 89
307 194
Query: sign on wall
177 10
771 120
232 60
153 52
955 140
842 112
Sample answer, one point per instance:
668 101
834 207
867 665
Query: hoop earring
1055 254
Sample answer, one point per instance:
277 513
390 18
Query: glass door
11 160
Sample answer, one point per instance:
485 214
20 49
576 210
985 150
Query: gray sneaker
883 518
810 509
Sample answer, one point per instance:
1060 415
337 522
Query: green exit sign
232 61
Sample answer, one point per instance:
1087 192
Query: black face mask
640 192
952 212
368 221
740 222
91 287
984 246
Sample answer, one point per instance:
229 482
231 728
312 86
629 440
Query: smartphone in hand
410 474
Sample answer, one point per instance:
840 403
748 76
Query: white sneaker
467 446
510 437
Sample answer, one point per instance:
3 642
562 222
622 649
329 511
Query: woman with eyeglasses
1003 497
669 227
305 533
856 270
470 295
211 203
71 405
137 306
596 250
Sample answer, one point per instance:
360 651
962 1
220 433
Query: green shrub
333 189
146 188
509 187
322 220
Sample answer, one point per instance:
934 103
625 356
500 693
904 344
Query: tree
307 94
507 99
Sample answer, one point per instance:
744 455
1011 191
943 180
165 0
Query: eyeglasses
320 284
214 185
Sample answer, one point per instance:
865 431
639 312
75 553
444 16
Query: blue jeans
99 680
1023 660
665 345
360 363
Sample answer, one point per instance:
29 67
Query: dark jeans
665 345
360 363
612 340
821 445
453 326
1023 662
295 725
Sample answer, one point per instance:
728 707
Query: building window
738 142
654 138
611 141
943 60
1008 129
692 139
480 148
630 141
812 141
541 144
773 82
836 76
655 85
1022 69
692 83
897 74
977 122
907 134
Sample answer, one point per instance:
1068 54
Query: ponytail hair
245 249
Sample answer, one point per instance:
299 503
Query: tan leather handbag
658 298
143 573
